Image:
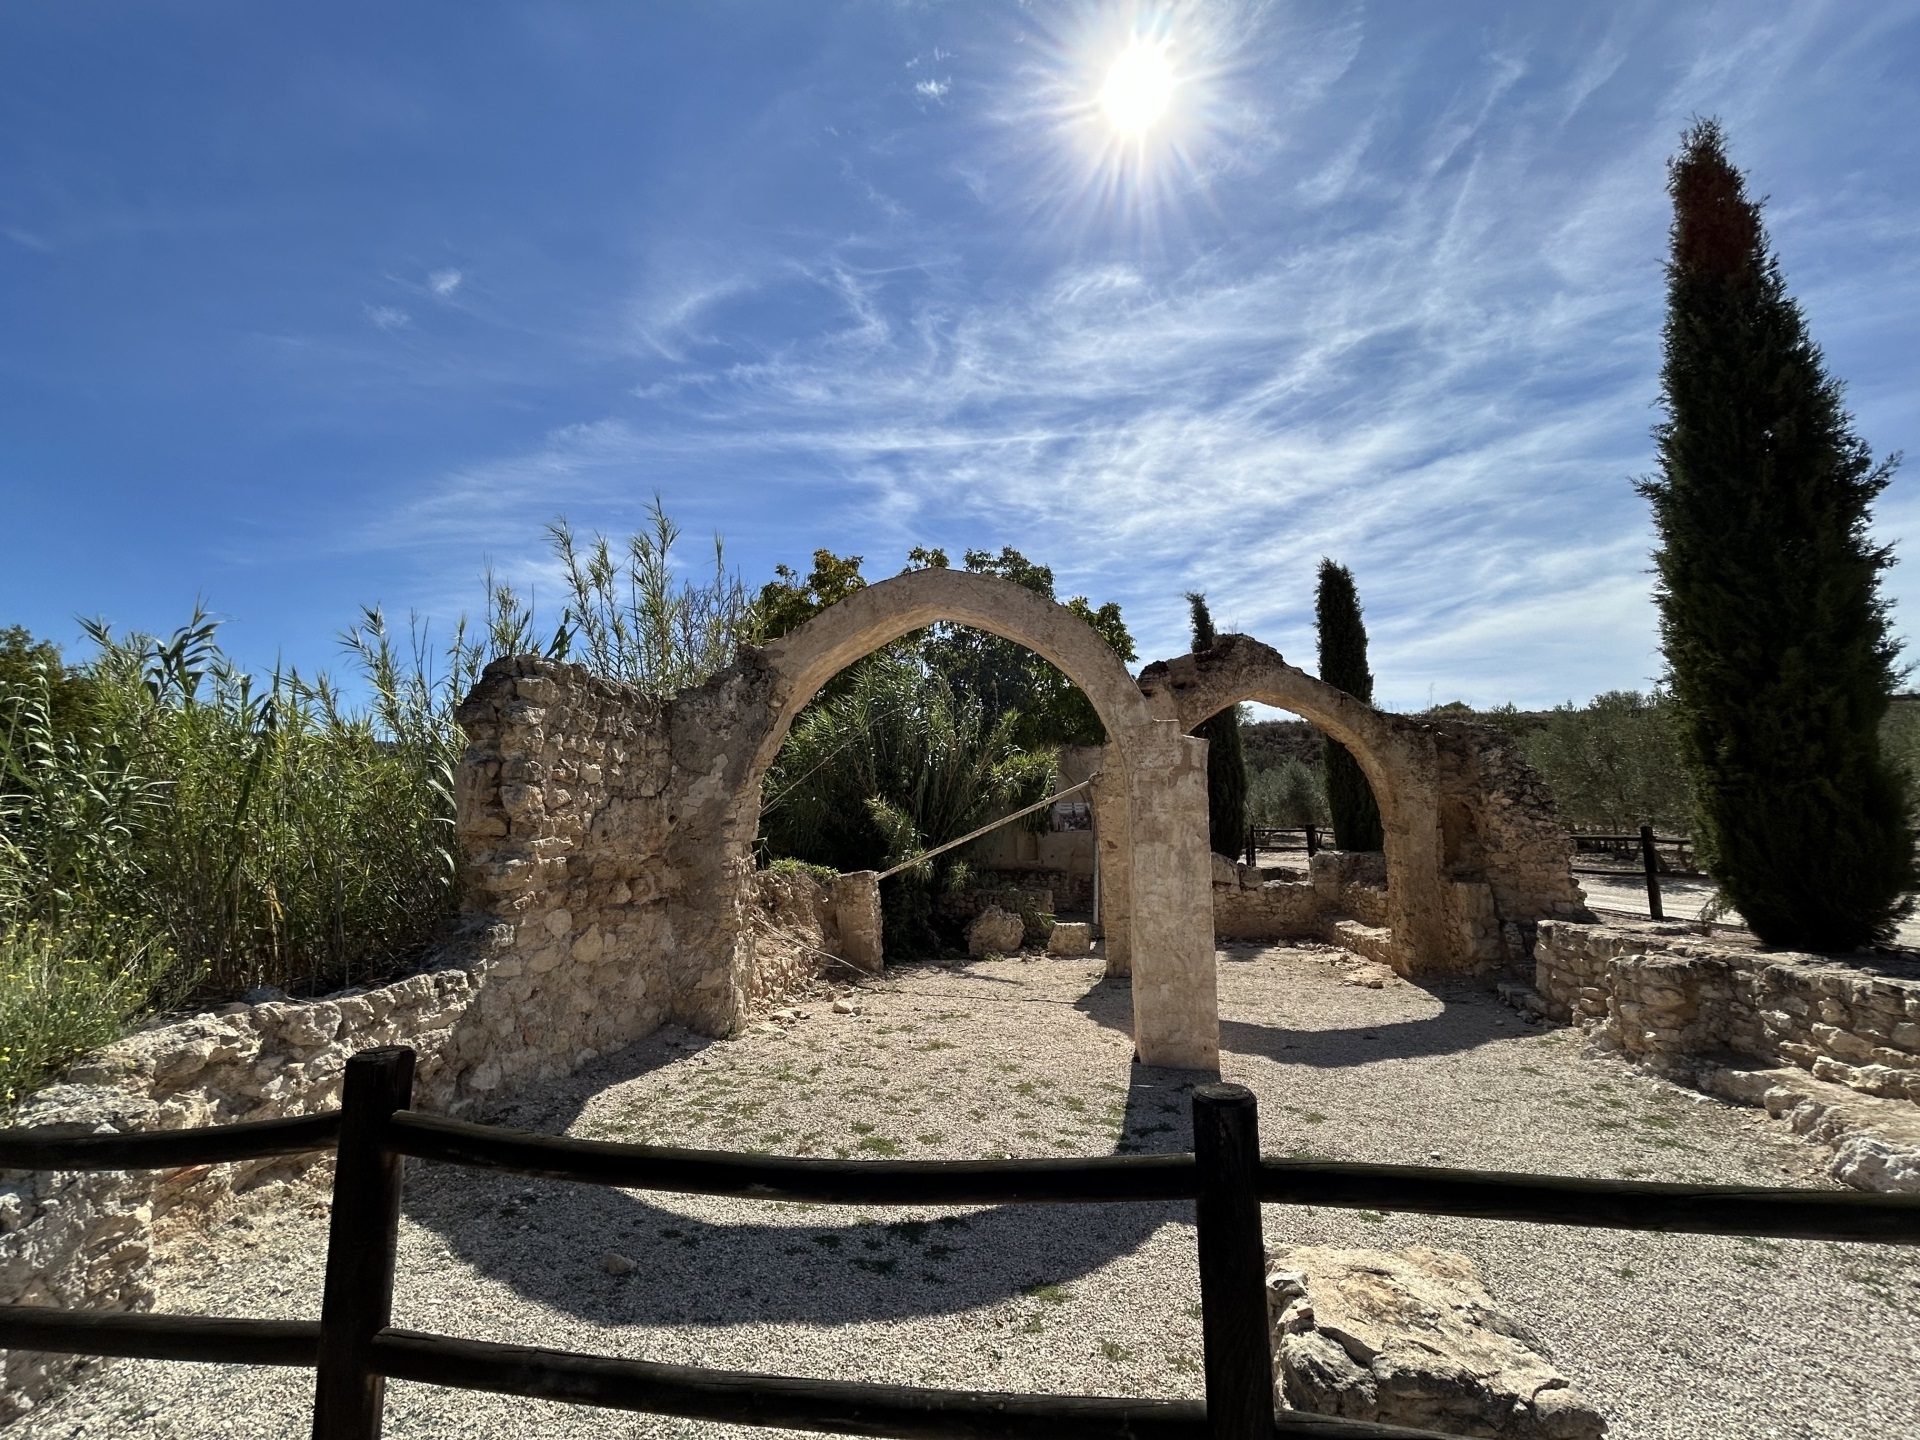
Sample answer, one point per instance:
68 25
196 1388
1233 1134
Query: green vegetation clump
1613 764
171 827
1780 655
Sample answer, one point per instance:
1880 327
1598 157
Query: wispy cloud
444 282
388 317
1424 342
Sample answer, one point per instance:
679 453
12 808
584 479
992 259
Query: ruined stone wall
1507 853
1344 889
493 1013
563 816
1475 849
1672 1002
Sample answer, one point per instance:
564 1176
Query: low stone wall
960 907
1831 1046
1670 1001
483 1020
1343 886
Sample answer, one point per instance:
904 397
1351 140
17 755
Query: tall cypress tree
1226 758
1343 663
1776 636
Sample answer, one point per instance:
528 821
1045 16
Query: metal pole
1651 866
349 1398
1311 837
1233 1264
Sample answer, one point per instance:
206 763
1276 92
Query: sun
1138 89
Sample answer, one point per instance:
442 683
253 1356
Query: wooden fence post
1651 866
349 1399
1253 854
1233 1264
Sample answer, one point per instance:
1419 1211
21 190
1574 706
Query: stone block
995 932
1841 1044
1070 938
1413 1338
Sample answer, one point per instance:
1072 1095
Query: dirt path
1671 1335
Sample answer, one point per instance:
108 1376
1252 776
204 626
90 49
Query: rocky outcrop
1413 1338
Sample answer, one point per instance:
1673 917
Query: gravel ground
1671 1335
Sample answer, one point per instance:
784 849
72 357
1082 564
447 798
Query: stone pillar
1113 855
856 911
1176 1018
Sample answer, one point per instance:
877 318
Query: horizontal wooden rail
763 1177
838 1406
159 1337
849 1408
1602 1204
165 1149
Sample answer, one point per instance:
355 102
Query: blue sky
304 305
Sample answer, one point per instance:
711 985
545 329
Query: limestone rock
1070 937
995 932
856 903
1226 872
614 1263
1413 1338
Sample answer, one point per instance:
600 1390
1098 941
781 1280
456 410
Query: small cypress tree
1226 758
1776 636
1343 663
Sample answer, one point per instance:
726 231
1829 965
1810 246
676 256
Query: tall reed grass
195 832
173 828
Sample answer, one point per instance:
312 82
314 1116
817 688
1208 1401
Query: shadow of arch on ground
788 1271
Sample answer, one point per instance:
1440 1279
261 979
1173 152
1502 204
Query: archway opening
916 710
936 735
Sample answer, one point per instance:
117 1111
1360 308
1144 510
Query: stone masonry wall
1343 887
1671 1002
487 1017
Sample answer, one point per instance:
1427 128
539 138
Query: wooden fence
354 1350
1267 837
1653 864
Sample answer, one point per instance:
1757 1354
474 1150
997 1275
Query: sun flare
1138 89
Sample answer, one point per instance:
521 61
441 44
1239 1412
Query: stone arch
1148 843
1397 757
806 658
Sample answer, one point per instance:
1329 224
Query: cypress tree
1226 758
1777 641
1343 663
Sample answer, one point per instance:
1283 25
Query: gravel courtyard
1671 1335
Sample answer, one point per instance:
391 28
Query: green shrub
65 990
1613 763
1288 796
894 766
